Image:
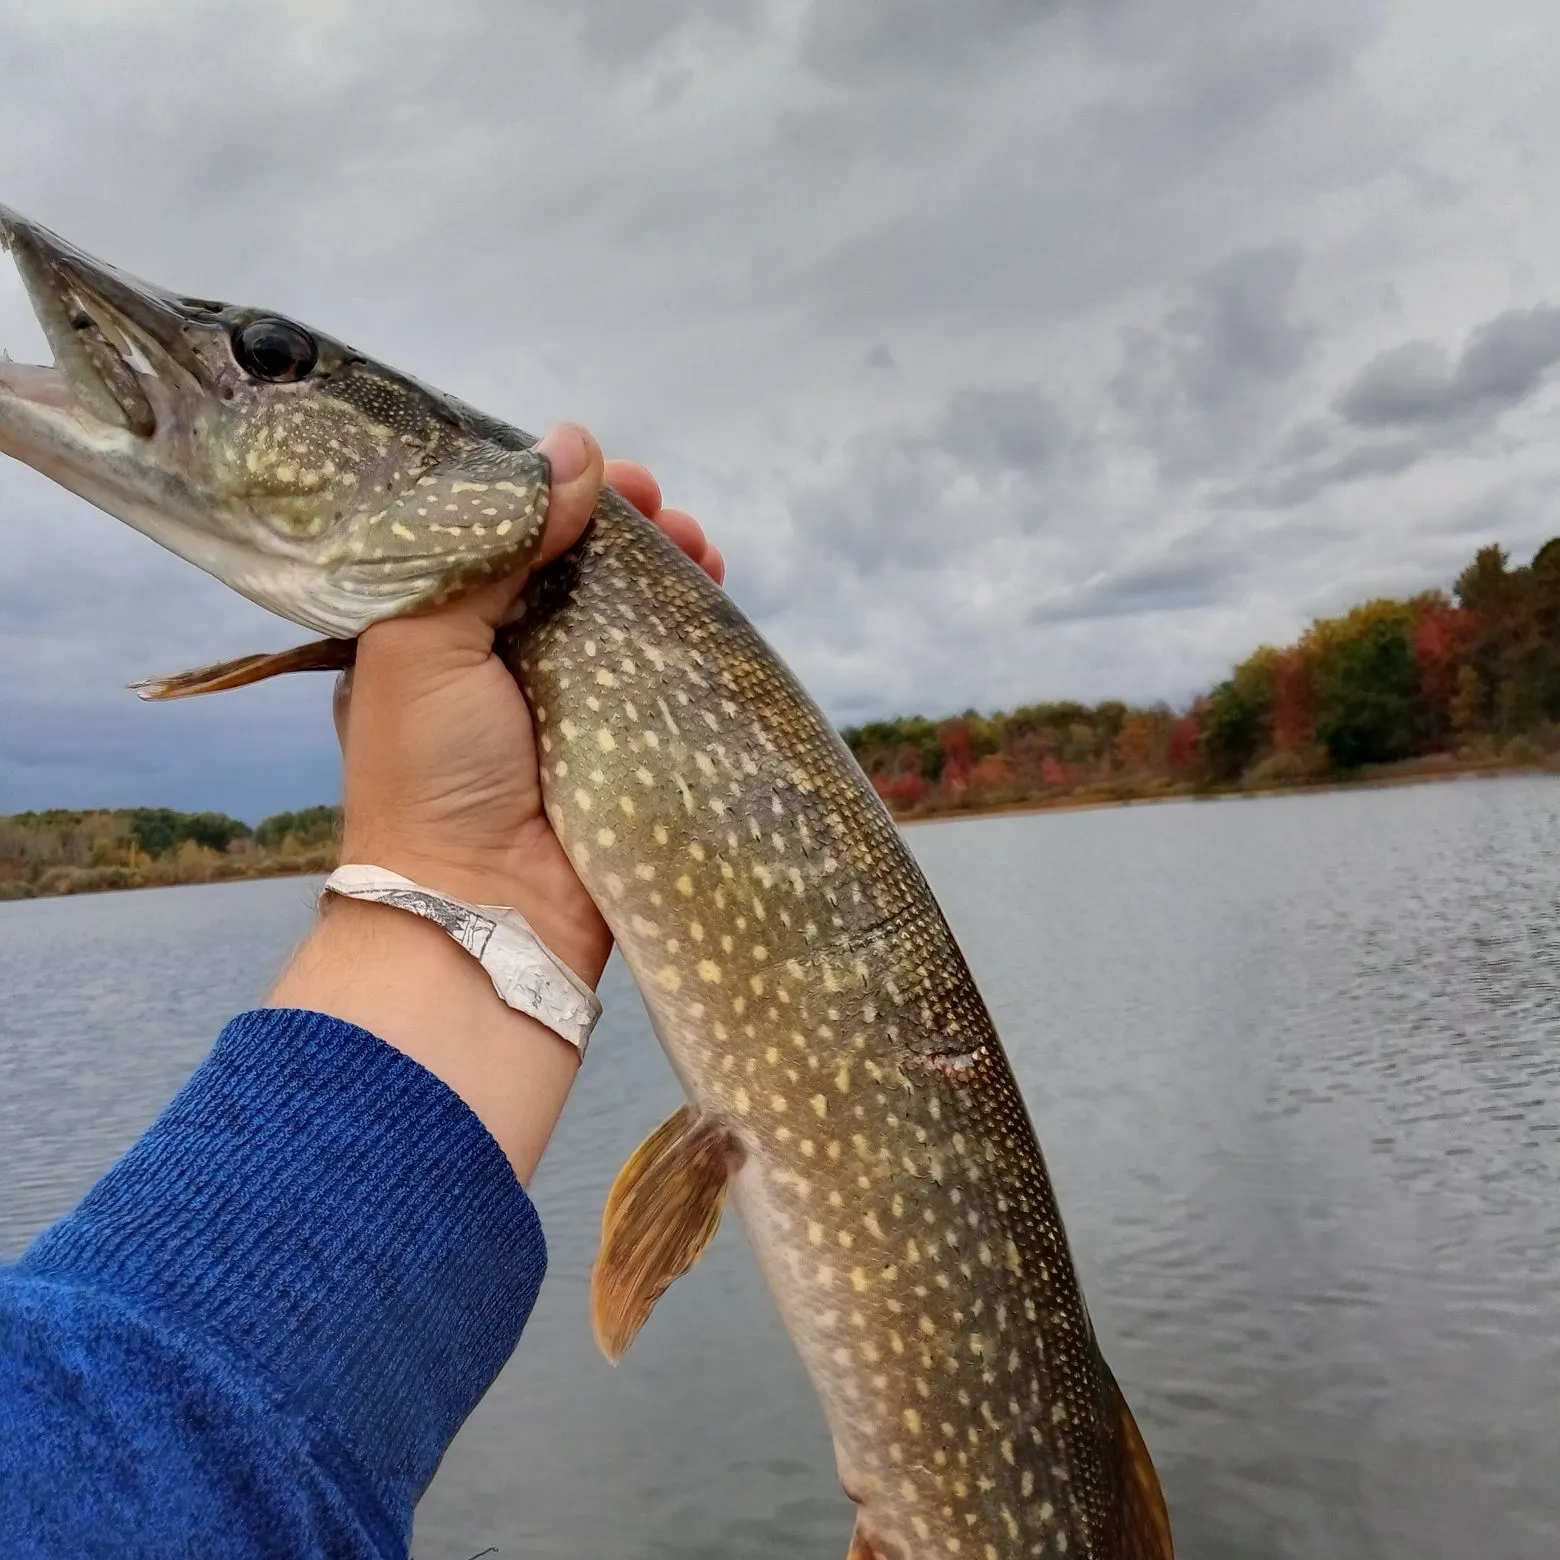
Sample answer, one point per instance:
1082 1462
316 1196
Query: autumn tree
1366 685
1236 725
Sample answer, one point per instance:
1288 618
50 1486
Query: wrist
518 877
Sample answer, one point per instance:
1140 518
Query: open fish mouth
103 365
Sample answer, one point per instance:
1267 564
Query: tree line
62 851
1466 677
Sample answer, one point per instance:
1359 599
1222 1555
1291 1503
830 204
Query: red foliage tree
1294 703
1181 744
1443 636
900 791
958 754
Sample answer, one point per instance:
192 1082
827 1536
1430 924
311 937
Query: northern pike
844 1081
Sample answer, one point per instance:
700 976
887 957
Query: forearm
402 979
300 1280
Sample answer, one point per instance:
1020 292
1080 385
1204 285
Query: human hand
440 775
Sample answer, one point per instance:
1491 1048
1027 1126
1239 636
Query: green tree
1236 721
157 830
154 829
309 826
1366 686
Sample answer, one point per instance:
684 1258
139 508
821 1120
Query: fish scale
844 1082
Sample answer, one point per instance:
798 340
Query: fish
845 1087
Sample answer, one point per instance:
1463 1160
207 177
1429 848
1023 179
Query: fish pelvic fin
661 1214
1145 1520
322 655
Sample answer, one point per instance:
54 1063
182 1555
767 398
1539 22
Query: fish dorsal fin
662 1211
322 655
1145 1521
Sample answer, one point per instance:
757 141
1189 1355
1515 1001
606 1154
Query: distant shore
169 873
185 871
1414 771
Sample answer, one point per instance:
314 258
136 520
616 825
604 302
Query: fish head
327 487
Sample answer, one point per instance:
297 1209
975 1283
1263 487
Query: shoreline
1423 774
1413 772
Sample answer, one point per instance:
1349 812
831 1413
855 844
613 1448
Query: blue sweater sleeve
258 1333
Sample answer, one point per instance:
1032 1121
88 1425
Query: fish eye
276 350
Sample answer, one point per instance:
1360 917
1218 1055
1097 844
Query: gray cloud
1199 377
851 39
1504 361
1000 349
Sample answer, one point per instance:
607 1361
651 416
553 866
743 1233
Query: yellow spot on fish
820 1105
605 740
858 1280
912 1421
582 798
685 886
400 530
709 972
741 1101
606 837
668 977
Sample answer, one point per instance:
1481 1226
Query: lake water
1296 1066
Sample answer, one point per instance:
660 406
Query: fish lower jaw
35 385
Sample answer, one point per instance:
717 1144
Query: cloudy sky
1013 350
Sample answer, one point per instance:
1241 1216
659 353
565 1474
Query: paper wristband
524 971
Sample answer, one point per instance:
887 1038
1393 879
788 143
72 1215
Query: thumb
576 463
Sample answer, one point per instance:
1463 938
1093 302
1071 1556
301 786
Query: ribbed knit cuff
328 1209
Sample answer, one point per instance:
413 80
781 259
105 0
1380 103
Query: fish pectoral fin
322 655
861 1546
1145 1521
662 1211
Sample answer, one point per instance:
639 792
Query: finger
636 484
683 529
714 564
341 706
